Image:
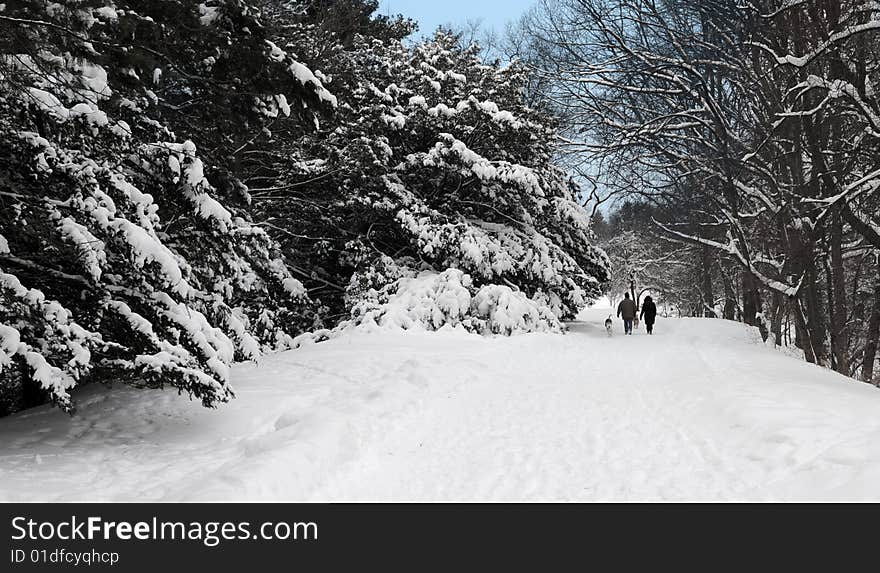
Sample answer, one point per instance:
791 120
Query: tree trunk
751 299
815 317
872 336
837 286
829 301
729 297
802 332
708 295
778 314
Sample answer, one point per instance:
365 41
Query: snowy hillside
700 411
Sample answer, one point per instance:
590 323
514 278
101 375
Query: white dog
608 325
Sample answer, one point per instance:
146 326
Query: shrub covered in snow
430 301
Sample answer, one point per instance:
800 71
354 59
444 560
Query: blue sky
432 13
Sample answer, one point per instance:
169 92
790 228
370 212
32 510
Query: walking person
649 314
627 311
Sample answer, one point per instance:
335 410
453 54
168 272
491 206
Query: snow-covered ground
700 411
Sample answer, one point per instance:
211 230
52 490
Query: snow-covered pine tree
297 182
434 162
118 259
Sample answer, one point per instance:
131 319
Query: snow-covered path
592 418
701 411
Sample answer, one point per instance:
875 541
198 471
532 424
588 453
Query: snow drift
431 300
700 411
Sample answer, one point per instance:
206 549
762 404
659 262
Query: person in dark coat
649 314
627 311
